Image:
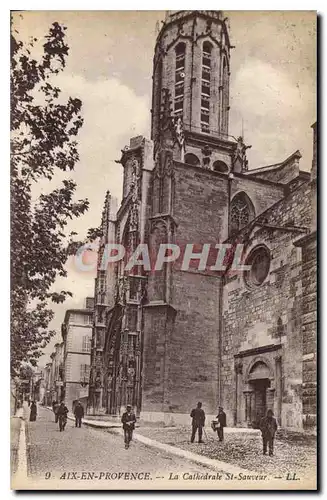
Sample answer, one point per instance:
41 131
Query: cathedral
166 338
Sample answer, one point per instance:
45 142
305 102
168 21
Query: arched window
192 159
259 371
223 97
179 78
156 95
259 262
220 166
205 87
241 212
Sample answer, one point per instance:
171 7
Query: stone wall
309 329
262 194
270 314
308 244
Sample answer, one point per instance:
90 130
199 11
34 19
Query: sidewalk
15 424
213 464
18 456
239 453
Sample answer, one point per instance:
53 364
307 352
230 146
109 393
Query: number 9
47 475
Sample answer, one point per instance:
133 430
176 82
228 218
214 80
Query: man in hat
62 416
198 420
128 420
221 417
268 427
79 414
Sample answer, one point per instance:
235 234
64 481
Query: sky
109 67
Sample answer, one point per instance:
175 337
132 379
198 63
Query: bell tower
192 65
190 193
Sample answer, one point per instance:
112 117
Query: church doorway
259 383
259 387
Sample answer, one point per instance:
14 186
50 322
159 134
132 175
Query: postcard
163 250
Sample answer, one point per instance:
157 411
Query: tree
26 372
43 141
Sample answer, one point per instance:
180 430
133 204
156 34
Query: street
91 458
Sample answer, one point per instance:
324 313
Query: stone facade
263 323
77 335
174 336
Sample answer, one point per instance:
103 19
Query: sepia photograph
163 218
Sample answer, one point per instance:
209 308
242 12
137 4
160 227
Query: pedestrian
33 412
62 416
268 427
55 406
221 423
79 414
128 419
198 421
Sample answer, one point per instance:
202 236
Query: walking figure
55 408
198 420
62 416
79 414
33 412
128 419
221 423
268 427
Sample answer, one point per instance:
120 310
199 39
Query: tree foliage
44 130
26 372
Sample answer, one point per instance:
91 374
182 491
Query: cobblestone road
93 451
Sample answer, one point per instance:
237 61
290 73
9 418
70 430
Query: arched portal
257 398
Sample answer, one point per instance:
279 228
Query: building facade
165 338
38 386
77 335
56 373
47 383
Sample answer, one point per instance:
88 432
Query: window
179 62
259 371
89 303
192 159
224 96
88 319
206 74
220 166
179 90
100 316
179 103
205 87
73 318
101 297
85 372
241 212
86 346
101 281
204 116
205 103
179 78
259 260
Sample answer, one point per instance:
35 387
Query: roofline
256 220
174 18
81 311
275 166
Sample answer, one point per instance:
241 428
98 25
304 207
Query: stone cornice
308 238
258 350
